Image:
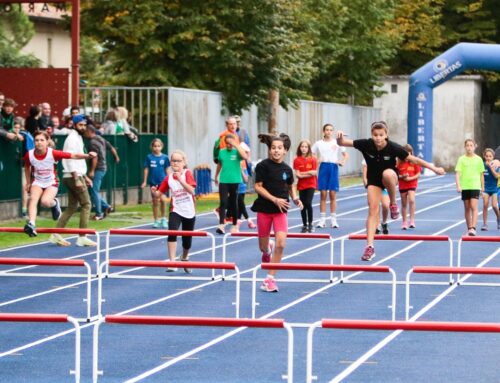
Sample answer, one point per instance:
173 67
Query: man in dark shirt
97 171
46 118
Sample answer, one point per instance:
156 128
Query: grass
126 215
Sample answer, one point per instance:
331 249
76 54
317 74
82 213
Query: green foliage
16 31
241 48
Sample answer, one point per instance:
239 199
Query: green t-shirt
470 169
231 169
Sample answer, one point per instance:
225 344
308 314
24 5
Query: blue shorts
328 176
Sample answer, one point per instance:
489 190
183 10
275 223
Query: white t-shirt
327 151
181 202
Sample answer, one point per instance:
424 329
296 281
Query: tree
241 48
352 49
16 30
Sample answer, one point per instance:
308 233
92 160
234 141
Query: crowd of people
387 168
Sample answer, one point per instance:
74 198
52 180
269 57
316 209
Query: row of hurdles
377 325
103 269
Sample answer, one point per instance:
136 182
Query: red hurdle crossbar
324 267
443 270
399 237
50 262
159 233
191 321
251 234
166 264
384 325
63 230
50 318
466 238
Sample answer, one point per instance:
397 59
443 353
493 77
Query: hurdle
249 234
445 270
384 325
324 267
191 321
63 230
165 264
160 233
466 238
51 318
50 262
394 237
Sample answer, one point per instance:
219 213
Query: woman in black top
380 155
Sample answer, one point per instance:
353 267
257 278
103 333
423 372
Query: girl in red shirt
41 178
305 166
408 181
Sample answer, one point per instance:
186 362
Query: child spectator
242 189
7 114
155 171
328 175
273 184
408 182
380 155
182 185
306 165
41 178
469 178
491 176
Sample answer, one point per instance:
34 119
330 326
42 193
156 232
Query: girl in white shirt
328 174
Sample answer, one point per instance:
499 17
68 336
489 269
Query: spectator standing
75 179
155 171
491 176
97 170
408 174
7 114
46 118
33 120
328 175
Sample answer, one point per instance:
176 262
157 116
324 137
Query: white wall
457 114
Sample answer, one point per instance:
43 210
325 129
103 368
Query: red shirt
305 164
407 167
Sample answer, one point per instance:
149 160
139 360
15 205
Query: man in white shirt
75 179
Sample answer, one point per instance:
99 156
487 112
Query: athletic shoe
220 229
157 224
108 211
334 225
310 228
30 229
97 217
186 259
171 269
321 223
412 225
234 229
24 214
472 232
394 211
164 223
269 286
85 242
266 257
403 226
484 227
216 212
378 230
304 229
368 254
251 224
56 239
56 210
385 228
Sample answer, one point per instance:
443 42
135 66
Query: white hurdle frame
52 262
324 267
191 321
165 264
466 238
160 233
51 318
394 237
251 234
446 270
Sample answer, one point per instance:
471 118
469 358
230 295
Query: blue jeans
99 203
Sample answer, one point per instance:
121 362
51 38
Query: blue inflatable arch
454 61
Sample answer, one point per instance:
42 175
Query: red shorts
279 222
